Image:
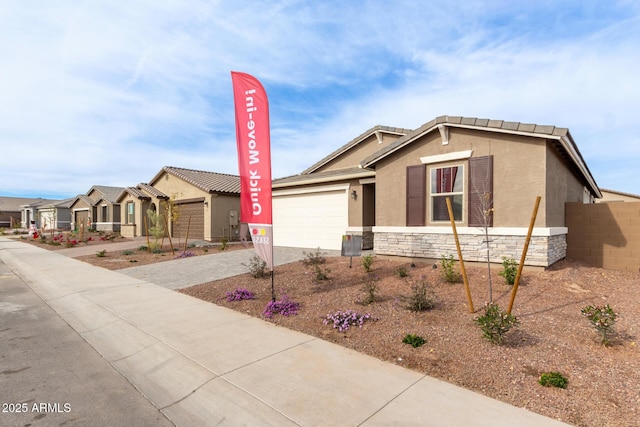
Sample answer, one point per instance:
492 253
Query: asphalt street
49 375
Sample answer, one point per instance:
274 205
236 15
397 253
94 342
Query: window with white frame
446 182
131 213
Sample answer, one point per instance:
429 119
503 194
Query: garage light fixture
354 195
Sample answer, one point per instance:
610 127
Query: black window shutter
480 191
416 195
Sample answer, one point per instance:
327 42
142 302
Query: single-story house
204 204
617 196
390 185
134 204
54 215
12 211
97 209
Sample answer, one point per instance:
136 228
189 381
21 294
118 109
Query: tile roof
135 192
211 182
562 140
152 190
110 194
8 203
355 141
327 176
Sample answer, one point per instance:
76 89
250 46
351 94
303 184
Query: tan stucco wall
219 211
519 175
562 187
610 196
355 155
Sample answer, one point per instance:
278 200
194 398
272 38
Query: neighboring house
54 215
12 211
134 204
392 183
98 209
207 204
617 196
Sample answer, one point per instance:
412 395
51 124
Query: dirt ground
553 336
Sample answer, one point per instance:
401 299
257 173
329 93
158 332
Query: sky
107 93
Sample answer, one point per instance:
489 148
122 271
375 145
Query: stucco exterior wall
355 155
219 208
562 187
518 168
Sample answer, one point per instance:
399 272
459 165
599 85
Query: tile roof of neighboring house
152 190
14 203
327 176
211 182
86 199
66 203
135 192
40 203
621 193
355 141
561 138
109 194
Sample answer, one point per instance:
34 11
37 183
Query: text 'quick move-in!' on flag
254 162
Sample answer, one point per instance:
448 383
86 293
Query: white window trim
462 193
439 158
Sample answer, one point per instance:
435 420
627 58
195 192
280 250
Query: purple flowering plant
239 295
184 254
342 320
285 306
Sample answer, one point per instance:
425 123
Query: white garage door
312 219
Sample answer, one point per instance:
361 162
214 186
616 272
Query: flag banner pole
254 163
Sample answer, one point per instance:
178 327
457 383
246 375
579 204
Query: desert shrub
553 379
127 252
239 294
320 274
224 244
402 272
102 253
286 306
422 297
414 340
370 289
495 323
602 317
367 262
143 248
313 258
257 267
449 271
342 320
509 270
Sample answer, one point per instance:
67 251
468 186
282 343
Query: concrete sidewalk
203 364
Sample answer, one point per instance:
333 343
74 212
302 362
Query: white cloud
108 94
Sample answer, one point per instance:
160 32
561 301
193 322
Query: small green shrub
257 267
127 252
370 289
402 272
313 258
422 297
367 262
449 271
102 253
143 248
224 244
553 379
509 270
602 317
414 340
320 274
495 323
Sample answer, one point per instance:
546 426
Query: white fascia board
493 231
447 157
368 181
359 229
309 190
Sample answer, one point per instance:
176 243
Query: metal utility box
233 218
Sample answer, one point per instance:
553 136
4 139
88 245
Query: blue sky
107 93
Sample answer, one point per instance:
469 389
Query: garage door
195 210
310 220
